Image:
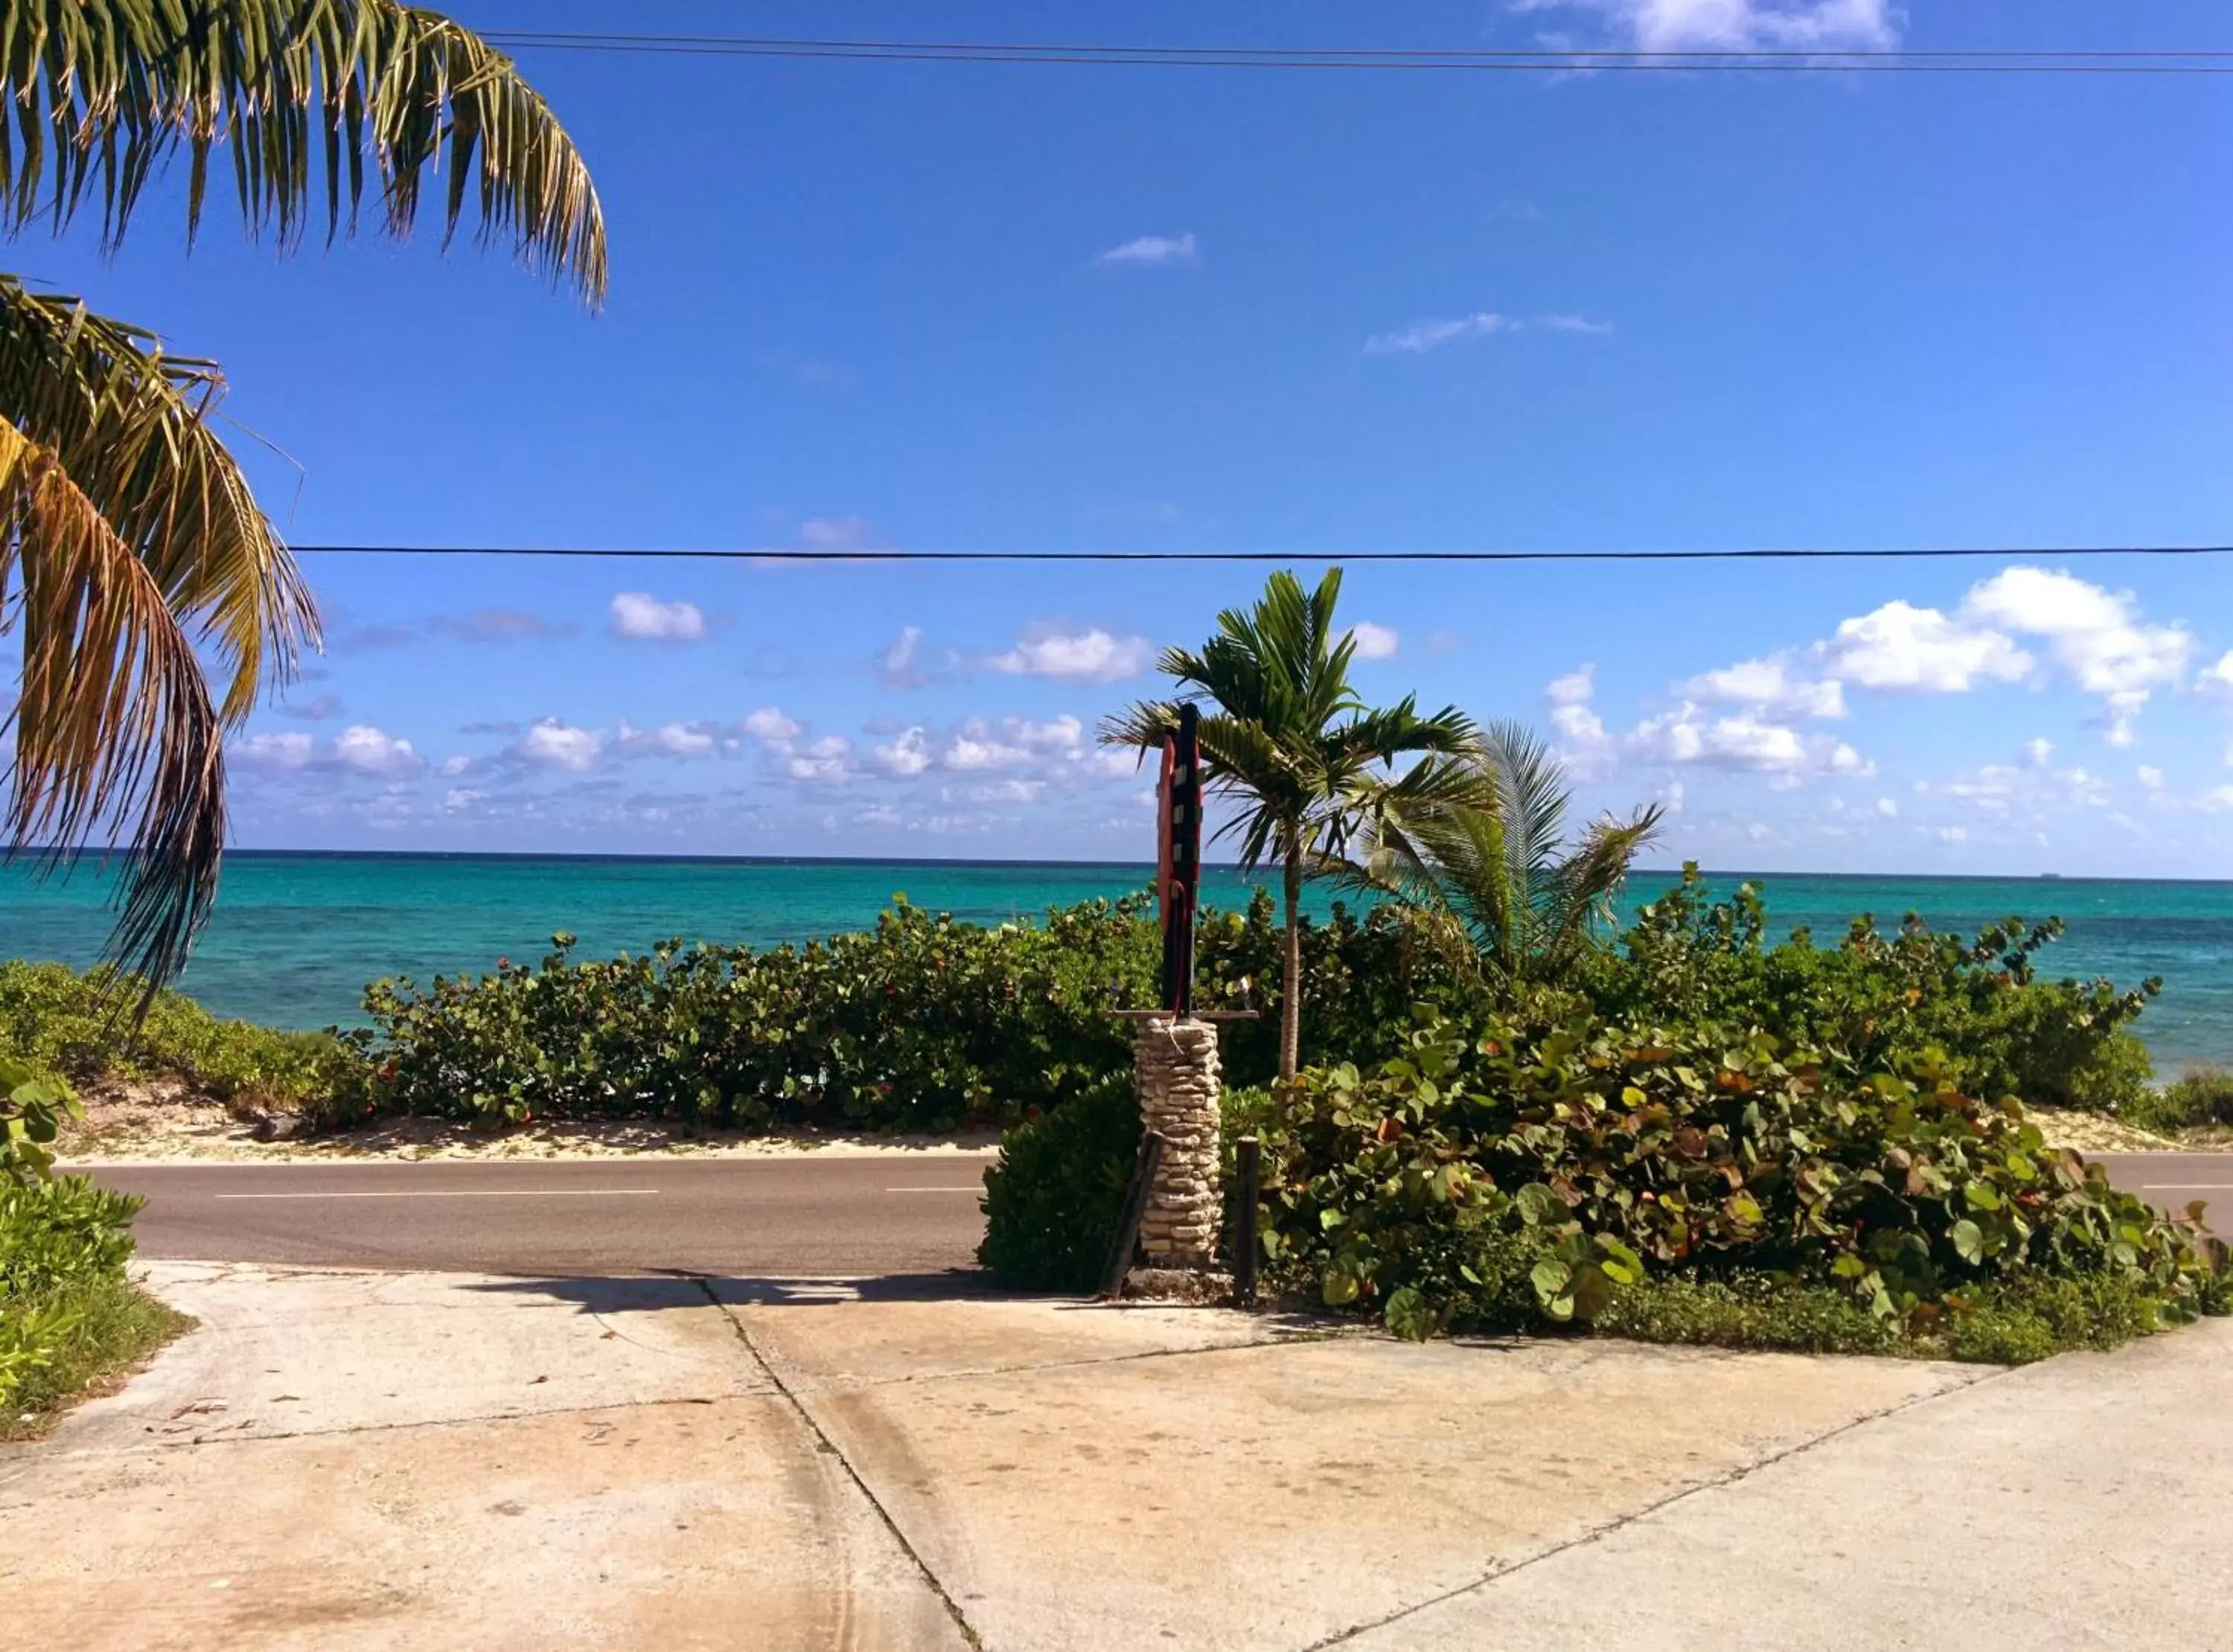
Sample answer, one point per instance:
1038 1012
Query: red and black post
1178 857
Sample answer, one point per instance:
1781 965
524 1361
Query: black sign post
1179 857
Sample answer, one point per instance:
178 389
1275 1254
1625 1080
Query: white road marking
485 1192
935 1190
2186 1186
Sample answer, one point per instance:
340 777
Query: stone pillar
1175 1067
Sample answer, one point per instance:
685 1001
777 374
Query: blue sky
957 307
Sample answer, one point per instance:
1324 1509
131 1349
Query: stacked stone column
1175 1067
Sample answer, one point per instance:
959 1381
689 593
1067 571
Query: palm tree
130 544
1491 862
1291 742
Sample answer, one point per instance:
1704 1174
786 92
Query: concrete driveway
358 1460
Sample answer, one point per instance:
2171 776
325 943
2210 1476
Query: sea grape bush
921 1023
1876 999
1493 1170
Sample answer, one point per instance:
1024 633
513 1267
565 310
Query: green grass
2013 1324
116 1325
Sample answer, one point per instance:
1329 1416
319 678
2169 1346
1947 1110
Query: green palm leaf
1291 748
129 542
131 549
305 97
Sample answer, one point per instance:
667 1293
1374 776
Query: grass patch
1756 1313
114 1326
2009 1324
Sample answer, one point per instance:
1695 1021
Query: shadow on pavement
646 1294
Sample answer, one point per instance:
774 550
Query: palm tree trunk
1291 991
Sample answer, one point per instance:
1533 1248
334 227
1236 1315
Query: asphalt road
804 1218
2177 1180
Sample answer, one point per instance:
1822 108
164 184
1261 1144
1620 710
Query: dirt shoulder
159 1123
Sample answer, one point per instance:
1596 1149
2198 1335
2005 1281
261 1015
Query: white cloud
768 723
837 533
2038 754
643 616
363 749
1422 336
1154 251
455 765
1582 324
1584 747
1741 742
1575 688
1888 806
2095 634
1953 834
1737 25
1901 648
273 750
908 755
1064 735
2215 680
1375 642
1006 791
878 815
898 667
1094 656
1773 686
668 740
828 761
552 743
460 800
975 749
2117 717
2150 779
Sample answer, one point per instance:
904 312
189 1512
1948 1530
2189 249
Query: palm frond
114 723
1141 725
306 96
1584 884
137 544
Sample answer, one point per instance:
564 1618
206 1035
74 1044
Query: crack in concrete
1621 1523
830 1446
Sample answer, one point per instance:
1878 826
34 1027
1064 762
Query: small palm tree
1488 859
130 544
1292 744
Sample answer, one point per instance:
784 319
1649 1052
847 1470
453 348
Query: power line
1765 554
1534 61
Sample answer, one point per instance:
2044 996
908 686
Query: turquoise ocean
296 936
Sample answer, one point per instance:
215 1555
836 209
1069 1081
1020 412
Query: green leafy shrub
2200 1098
66 1308
922 1023
82 1027
1055 1196
1875 1000
33 1104
1601 1156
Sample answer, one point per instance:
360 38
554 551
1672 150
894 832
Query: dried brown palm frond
130 545
299 93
